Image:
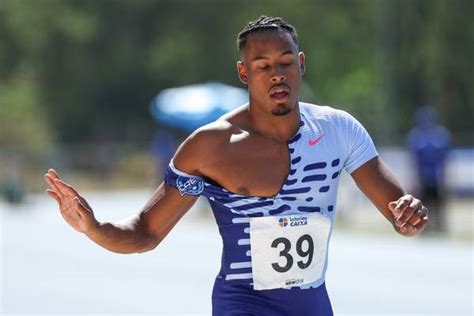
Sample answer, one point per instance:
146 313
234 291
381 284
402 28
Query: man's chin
281 110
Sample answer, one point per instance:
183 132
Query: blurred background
87 87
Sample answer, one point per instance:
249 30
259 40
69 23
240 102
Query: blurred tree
434 62
22 123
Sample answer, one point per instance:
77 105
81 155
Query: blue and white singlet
328 141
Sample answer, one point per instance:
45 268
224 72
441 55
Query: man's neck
275 127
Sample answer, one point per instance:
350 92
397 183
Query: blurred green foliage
80 70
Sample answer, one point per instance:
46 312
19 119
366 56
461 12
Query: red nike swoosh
314 142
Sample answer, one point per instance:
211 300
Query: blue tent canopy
190 107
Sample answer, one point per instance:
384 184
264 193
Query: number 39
299 249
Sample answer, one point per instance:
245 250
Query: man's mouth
280 94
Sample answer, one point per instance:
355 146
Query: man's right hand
139 232
74 208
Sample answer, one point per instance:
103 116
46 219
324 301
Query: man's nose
278 76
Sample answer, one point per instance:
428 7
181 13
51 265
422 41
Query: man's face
272 68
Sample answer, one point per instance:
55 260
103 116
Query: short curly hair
265 24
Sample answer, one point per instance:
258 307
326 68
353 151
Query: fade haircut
265 24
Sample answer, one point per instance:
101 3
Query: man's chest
259 168
250 167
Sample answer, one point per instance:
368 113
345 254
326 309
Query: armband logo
189 186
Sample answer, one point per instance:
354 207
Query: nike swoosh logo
315 141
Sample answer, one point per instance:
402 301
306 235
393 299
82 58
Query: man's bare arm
379 184
141 232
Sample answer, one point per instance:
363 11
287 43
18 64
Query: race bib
288 250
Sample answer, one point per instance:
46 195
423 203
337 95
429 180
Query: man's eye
263 67
287 64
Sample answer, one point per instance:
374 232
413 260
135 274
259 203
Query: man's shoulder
212 133
323 112
201 146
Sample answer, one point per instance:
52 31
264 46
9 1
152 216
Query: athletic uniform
274 254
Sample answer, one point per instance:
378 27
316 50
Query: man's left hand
410 216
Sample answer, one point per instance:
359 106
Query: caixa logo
190 186
283 222
292 221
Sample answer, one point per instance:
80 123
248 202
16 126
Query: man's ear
242 72
302 64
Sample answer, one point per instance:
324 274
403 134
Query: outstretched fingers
51 176
54 195
54 173
72 206
50 180
65 188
